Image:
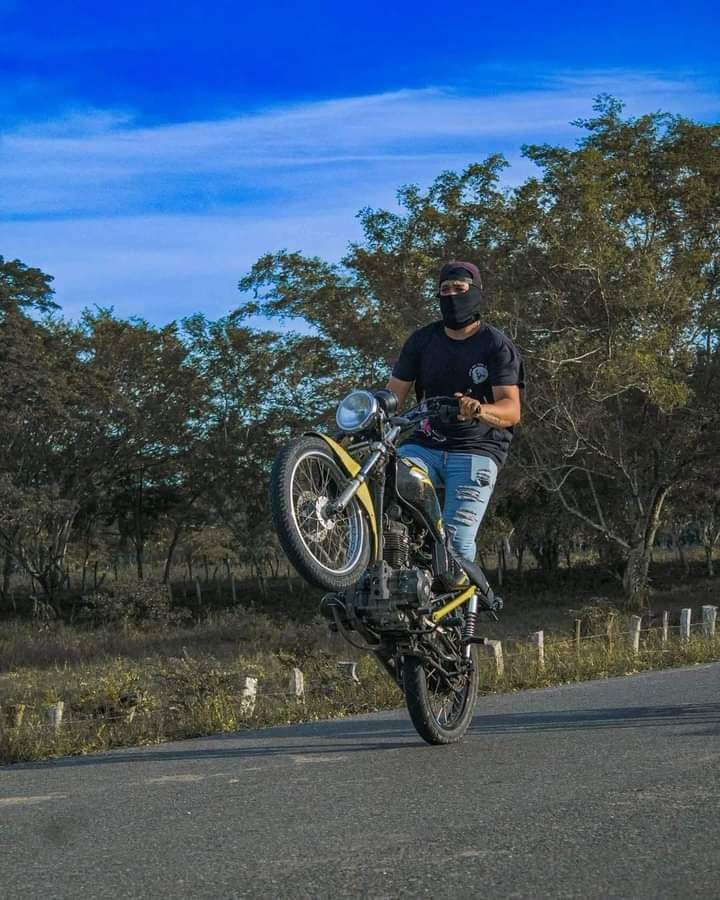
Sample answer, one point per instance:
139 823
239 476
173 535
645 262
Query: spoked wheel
330 551
441 709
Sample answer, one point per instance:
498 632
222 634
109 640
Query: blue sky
150 152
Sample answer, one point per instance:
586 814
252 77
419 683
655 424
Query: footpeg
493 605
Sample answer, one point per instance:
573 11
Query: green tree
23 288
263 388
365 306
148 407
42 481
613 253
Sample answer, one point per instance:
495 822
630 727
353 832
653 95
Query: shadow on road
370 735
704 714
394 732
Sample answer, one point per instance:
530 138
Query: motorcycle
365 524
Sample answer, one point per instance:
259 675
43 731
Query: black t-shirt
440 365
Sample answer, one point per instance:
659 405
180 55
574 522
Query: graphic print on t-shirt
478 373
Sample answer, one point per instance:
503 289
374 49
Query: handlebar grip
447 412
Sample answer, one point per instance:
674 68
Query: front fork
353 486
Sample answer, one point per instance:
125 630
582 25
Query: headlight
356 411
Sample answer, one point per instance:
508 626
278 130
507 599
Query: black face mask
459 310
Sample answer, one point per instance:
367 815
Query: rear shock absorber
471 620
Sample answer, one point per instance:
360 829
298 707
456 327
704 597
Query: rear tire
330 553
422 702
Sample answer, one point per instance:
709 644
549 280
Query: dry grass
139 680
121 701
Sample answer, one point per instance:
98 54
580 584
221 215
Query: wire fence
612 639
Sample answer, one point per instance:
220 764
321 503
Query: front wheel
330 552
441 709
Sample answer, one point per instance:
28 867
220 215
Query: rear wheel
329 551
440 708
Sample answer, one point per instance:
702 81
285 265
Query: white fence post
495 650
538 639
54 714
349 670
635 624
578 636
249 695
665 627
297 685
685 618
709 614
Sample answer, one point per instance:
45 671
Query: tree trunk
547 553
634 578
709 561
637 563
6 573
683 558
139 560
171 550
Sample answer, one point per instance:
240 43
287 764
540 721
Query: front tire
329 552
440 715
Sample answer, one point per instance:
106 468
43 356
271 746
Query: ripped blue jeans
469 480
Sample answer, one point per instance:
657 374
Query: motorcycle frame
373 504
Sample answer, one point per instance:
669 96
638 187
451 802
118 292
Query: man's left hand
469 407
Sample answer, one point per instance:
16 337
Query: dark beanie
457 270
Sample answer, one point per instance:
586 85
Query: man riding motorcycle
475 362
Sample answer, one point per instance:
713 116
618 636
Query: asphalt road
604 789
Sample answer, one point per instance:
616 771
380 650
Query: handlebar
442 407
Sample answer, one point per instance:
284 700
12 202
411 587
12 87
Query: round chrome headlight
356 411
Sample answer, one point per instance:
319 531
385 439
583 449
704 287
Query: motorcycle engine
391 587
396 544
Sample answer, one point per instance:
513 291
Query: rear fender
352 467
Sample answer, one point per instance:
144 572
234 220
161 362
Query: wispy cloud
159 213
90 160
